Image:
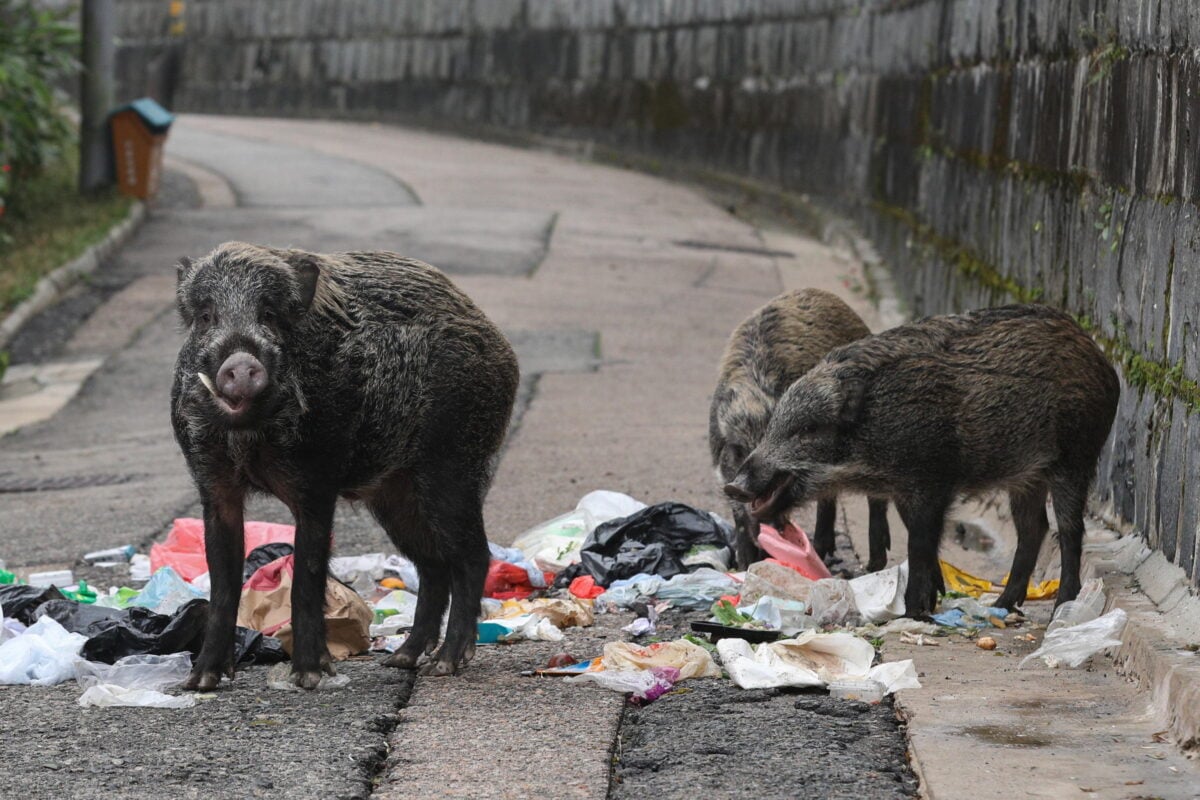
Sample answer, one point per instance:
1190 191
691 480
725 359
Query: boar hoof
401 660
203 680
308 679
440 667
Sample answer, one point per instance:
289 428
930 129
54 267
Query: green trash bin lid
156 118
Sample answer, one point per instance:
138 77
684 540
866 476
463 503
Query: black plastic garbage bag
21 602
114 633
264 554
654 540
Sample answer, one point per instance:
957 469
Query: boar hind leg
397 511
310 655
823 536
746 536
223 545
878 534
1029 515
1069 493
924 515
457 524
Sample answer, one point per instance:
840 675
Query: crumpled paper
692 660
811 659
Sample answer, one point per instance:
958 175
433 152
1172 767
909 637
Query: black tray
716 631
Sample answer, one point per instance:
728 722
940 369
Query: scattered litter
113 633
183 548
1087 606
107 696
262 555
792 547
113 555
81 593
832 603
879 596
967 612
585 586
154 672
58 577
554 545
1071 646
775 579
902 626
864 691
43 655
693 590
985 643
643 625
563 612
690 659
957 580
646 685
361 572
21 602
10 628
388 644
139 568
532 627
507 581
512 555
560 660
919 639
394 612
266 605
166 592
810 659
629 591
578 668
654 540
280 677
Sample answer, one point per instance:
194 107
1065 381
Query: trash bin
139 131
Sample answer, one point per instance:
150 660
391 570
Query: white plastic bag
45 654
404 603
811 659
106 695
1071 646
879 596
363 572
1087 606
554 545
154 673
699 589
642 683
166 592
832 603
602 506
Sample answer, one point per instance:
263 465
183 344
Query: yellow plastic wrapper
959 581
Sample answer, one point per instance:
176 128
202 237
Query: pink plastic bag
184 548
791 546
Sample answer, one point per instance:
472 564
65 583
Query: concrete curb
1164 622
52 286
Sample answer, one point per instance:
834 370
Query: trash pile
784 622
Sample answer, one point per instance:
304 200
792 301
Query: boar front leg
224 552
924 515
310 655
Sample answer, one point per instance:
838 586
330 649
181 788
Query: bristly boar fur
766 353
1017 398
361 375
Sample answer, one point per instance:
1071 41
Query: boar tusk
208 384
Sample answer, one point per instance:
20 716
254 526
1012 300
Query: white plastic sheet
45 654
604 506
362 572
699 589
810 659
106 695
879 596
280 677
155 673
1072 645
832 603
404 603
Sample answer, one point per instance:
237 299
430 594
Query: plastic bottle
112 554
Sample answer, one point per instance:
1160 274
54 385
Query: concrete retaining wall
992 149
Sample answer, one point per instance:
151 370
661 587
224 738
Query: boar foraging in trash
767 352
361 375
1016 398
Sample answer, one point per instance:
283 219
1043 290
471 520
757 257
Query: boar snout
241 378
736 489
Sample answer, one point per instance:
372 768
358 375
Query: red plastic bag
507 581
585 587
183 549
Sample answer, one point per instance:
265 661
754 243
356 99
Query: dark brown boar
767 352
1017 398
314 377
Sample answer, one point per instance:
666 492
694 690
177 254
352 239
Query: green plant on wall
37 49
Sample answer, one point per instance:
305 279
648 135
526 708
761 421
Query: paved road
619 290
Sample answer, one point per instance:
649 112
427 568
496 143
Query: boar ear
308 271
853 391
184 269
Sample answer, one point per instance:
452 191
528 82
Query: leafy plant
37 50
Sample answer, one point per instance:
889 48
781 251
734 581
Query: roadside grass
49 223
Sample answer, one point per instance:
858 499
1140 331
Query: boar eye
205 317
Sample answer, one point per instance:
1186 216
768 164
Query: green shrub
37 51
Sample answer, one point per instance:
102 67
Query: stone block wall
994 150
